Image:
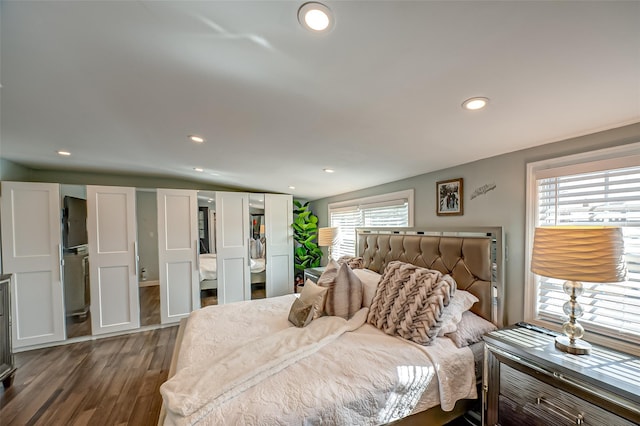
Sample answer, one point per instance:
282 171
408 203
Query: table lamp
327 237
578 253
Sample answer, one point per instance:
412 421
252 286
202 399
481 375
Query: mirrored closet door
207 259
257 246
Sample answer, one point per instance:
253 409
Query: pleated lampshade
579 253
327 236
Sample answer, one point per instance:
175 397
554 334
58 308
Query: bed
209 275
207 265
349 374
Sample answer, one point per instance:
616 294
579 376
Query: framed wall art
449 194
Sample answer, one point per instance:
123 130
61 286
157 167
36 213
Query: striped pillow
344 295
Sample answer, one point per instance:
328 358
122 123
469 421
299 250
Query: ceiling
120 84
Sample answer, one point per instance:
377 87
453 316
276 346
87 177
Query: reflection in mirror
149 277
207 254
258 244
75 252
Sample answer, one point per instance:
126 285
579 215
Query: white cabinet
32 252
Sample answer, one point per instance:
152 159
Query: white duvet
208 266
231 370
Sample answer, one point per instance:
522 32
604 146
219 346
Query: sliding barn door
232 246
113 258
31 251
278 211
178 245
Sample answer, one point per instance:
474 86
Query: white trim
616 157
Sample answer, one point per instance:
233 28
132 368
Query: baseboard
148 283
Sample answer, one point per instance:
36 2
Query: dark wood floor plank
107 381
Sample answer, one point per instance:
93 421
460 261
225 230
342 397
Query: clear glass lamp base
578 347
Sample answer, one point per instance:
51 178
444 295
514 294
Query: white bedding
361 377
209 271
208 267
257 265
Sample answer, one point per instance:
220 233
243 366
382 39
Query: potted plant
307 254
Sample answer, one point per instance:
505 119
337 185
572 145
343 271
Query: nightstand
527 381
313 273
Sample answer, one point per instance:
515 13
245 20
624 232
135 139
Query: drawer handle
577 419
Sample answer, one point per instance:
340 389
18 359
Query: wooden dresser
527 381
7 367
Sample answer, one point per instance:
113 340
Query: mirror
207 257
75 254
258 246
148 269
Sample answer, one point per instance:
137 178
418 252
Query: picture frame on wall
450 197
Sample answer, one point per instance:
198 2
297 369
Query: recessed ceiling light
64 153
198 169
292 187
329 170
210 200
475 103
196 138
315 17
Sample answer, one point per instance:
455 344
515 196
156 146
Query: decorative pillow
314 295
300 313
460 302
409 302
353 262
369 280
470 330
344 295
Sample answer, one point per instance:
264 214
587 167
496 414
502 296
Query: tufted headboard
472 256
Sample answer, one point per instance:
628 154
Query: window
599 188
393 210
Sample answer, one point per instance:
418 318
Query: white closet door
113 258
278 212
232 246
178 245
31 251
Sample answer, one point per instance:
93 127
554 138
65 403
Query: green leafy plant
307 254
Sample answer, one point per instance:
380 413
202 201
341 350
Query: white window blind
599 197
386 213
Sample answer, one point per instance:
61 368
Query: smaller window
387 210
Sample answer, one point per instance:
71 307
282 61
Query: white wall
503 206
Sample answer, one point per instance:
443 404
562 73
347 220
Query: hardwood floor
113 381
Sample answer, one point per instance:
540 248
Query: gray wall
13 171
503 206
147 217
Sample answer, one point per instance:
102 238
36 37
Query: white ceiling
121 84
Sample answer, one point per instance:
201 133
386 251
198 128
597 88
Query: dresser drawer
523 398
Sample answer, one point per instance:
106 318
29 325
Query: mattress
362 377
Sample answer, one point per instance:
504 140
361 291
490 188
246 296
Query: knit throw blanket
409 301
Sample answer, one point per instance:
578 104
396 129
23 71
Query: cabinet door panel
178 253
31 245
232 251
113 263
279 241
